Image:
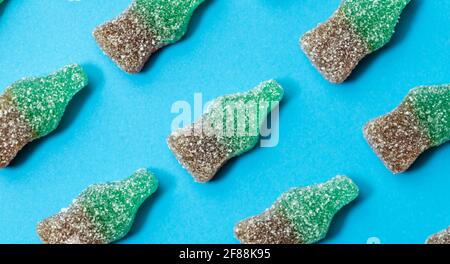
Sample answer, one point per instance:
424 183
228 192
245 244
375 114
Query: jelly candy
229 128
442 237
103 213
32 108
357 28
145 27
299 216
420 122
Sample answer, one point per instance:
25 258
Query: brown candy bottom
127 41
397 138
442 237
271 227
334 48
200 153
70 226
15 132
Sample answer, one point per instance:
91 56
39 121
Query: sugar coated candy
229 127
442 237
101 214
145 27
420 122
299 216
32 108
356 29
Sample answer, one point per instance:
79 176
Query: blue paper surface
120 122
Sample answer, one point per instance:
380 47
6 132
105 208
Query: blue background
120 122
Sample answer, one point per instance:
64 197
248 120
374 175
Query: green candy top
432 107
312 208
112 206
168 19
237 119
374 20
43 100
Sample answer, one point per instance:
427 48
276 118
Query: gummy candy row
32 108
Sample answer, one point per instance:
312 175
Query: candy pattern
145 27
299 216
102 214
33 107
420 122
229 128
356 29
